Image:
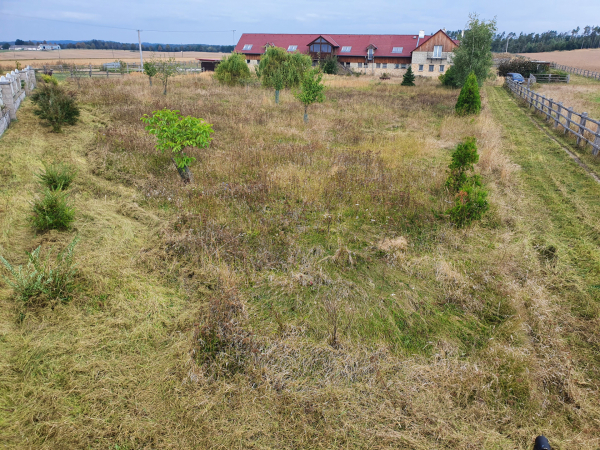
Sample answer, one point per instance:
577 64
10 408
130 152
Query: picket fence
578 124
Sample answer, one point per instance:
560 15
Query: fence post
568 78
569 115
596 146
549 113
90 71
582 123
557 120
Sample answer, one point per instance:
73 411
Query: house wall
424 59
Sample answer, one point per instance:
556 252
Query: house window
396 66
292 48
397 49
370 53
437 51
403 66
360 65
431 67
384 66
420 67
441 68
247 61
378 65
346 49
247 47
320 48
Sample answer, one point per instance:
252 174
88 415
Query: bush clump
52 211
450 78
280 69
470 200
232 70
55 105
49 79
469 101
522 66
330 65
57 176
43 279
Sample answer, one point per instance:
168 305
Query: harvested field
82 56
306 290
585 59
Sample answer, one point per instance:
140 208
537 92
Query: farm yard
588 58
318 259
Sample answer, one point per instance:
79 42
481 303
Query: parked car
516 77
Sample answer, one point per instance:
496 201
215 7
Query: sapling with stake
311 90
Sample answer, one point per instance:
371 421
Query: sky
213 22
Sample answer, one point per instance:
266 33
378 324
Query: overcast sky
283 16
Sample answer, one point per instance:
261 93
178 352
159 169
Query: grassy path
562 211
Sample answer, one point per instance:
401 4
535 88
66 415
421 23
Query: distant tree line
549 41
110 45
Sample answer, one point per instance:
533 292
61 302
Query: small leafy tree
165 69
175 132
469 101
122 67
311 90
5 46
474 54
232 70
150 70
55 106
279 64
409 77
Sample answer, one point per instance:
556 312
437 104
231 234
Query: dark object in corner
541 443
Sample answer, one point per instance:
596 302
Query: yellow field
585 59
98 56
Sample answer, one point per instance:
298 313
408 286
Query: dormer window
346 49
292 48
247 47
397 49
370 53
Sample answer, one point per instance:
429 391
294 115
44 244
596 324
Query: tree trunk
184 173
150 81
276 96
305 114
165 92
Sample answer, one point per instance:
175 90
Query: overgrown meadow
306 290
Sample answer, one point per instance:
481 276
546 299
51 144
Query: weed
57 176
52 211
43 280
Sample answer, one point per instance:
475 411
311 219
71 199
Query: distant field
585 59
97 56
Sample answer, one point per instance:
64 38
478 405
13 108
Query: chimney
421 36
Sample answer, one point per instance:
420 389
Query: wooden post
557 120
596 147
582 122
549 113
569 114
568 78
90 71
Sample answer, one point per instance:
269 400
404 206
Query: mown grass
346 310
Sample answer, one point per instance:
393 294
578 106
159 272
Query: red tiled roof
359 43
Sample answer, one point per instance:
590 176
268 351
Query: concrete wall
14 86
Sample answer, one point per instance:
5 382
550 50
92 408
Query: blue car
516 77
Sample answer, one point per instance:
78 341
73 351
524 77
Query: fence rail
552 78
101 70
578 124
576 71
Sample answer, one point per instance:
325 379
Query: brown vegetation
588 58
304 292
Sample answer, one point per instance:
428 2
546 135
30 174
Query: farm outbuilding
391 53
209 64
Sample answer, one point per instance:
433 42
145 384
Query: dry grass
588 58
83 56
346 312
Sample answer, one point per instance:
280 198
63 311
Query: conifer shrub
52 211
232 70
57 176
409 77
464 157
469 101
470 203
55 105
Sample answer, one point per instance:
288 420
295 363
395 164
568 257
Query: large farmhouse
377 53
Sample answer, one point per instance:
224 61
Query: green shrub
280 69
519 65
43 279
409 77
52 211
57 176
232 70
469 101
463 158
470 204
449 78
55 106
330 65
49 79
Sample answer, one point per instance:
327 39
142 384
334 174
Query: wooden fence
576 71
552 78
578 124
101 70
